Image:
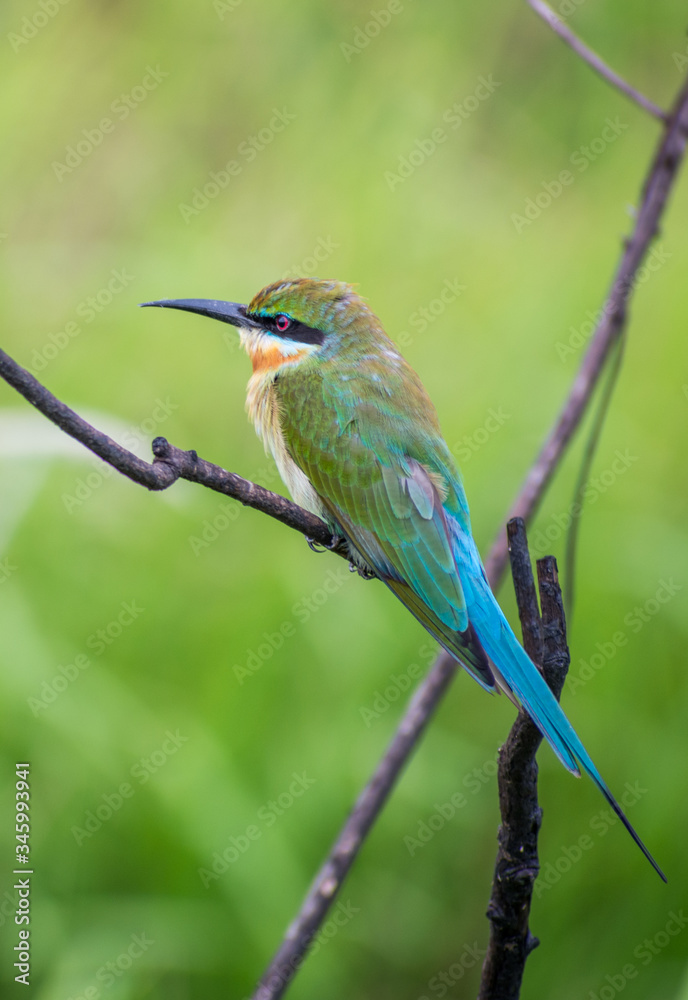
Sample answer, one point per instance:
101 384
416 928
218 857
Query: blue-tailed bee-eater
357 442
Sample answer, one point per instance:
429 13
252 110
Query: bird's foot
363 571
339 544
336 542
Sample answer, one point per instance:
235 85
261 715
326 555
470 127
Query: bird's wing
390 507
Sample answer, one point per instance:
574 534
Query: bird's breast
262 405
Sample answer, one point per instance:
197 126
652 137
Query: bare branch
350 840
524 585
517 863
660 180
592 59
170 463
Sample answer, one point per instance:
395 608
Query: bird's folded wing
390 508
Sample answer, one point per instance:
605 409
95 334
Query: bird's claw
337 542
319 547
362 571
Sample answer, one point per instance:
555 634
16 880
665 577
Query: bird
357 442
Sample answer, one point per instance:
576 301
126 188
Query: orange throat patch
266 356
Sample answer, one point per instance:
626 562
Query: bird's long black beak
228 312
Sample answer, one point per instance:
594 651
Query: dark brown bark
517 865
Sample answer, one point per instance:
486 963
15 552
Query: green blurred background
247 711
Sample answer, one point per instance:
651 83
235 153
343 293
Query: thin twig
170 463
517 863
592 59
577 504
341 857
524 585
660 180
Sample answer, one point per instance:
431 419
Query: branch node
532 943
160 447
328 887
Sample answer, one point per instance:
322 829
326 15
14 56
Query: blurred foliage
78 543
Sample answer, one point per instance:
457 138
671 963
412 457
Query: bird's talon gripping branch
337 542
365 574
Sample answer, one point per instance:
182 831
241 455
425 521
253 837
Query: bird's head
288 321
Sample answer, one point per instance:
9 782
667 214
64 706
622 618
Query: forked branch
517 865
592 59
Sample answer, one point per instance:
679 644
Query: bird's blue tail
526 682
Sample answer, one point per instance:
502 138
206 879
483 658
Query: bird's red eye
282 323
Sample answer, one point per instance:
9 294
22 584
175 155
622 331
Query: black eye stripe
299 332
